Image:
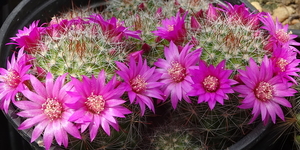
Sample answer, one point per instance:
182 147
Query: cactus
224 124
172 137
214 129
93 50
143 35
147 15
235 43
130 135
288 132
294 119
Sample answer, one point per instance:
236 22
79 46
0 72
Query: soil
286 11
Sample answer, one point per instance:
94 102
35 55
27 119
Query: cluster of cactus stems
288 132
291 127
294 119
137 34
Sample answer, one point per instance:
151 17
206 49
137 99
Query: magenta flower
113 28
46 111
211 84
279 36
240 14
96 103
57 28
285 63
172 29
28 37
12 80
175 69
135 54
263 92
158 13
140 81
195 25
212 13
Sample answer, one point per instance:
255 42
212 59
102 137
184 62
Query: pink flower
199 14
240 14
46 111
28 37
212 13
263 92
135 54
57 28
140 81
96 103
211 84
113 28
12 80
158 13
175 69
195 25
142 6
285 63
173 29
278 34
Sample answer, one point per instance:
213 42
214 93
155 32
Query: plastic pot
30 10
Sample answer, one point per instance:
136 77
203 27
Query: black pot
30 10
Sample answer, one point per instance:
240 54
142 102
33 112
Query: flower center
264 91
211 83
281 63
170 28
138 84
282 36
95 103
12 78
177 71
118 24
52 108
